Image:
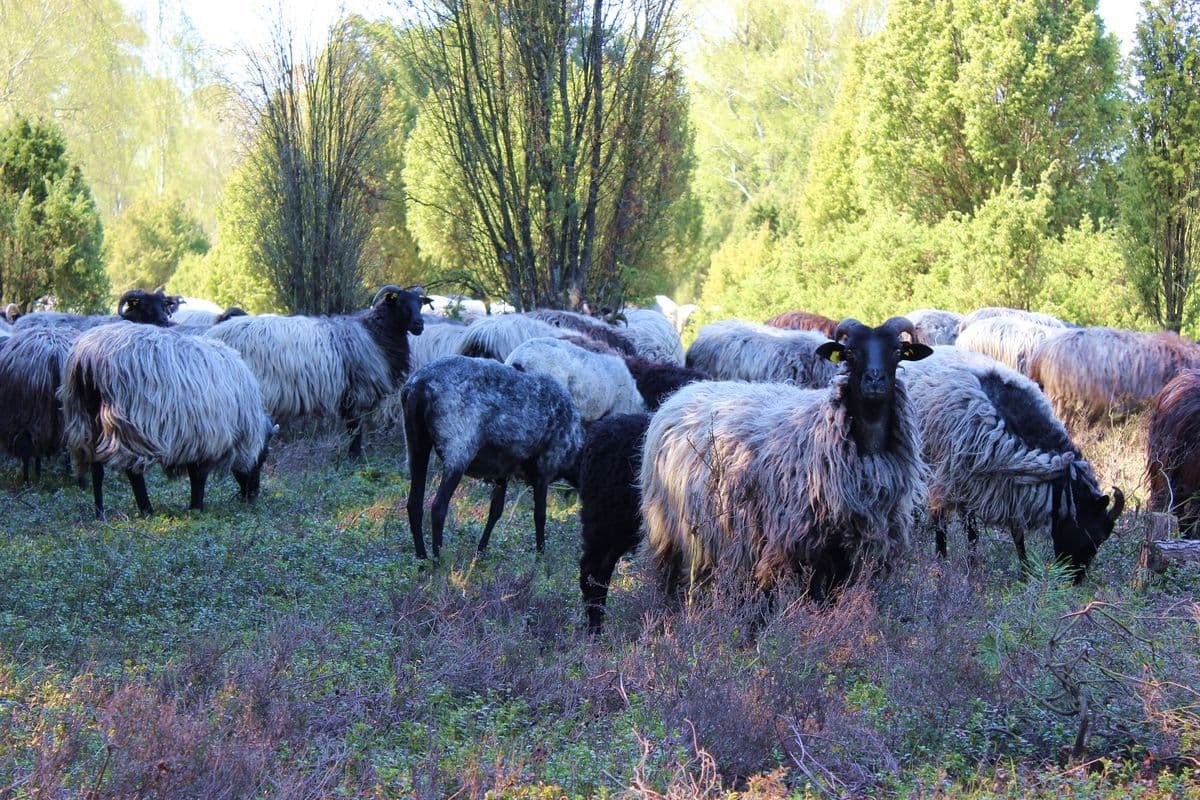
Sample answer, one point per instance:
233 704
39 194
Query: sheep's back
734 350
294 359
653 336
165 398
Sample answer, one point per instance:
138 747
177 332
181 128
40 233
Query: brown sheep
1173 452
804 321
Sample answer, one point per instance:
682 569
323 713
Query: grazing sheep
766 480
136 305
656 381
491 422
191 316
599 384
30 374
610 513
137 395
992 312
1173 452
1091 374
343 365
1009 340
998 453
804 321
935 326
734 350
653 336
592 328
497 337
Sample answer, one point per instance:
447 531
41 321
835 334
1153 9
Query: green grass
295 648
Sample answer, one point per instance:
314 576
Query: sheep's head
228 314
1083 518
870 357
402 307
147 308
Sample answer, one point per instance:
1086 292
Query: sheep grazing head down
1082 520
869 357
147 308
401 308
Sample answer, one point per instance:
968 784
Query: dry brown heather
296 651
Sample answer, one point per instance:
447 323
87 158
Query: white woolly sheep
593 328
1009 340
992 312
491 422
678 315
761 481
998 453
138 395
342 365
735 350
136 305
653 336
497 337
599 384
1091 374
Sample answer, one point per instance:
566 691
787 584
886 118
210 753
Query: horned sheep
136 395
342 365
30 374
1091 374
1173 452
735 350
492 422
766 480
998 454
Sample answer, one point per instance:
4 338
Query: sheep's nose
874 383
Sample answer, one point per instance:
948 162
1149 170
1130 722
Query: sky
231 24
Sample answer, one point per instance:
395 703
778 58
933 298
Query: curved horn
1118 504
900 325
845 327
123 301
389 288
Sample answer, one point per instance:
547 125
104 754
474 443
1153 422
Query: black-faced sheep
935 326
488 421
599 384
137 395
342 365
31 372
991 312
997 452
1173 452
656 380
763 481
1091 374
1009 340
804 321
610 513
734 350
136 305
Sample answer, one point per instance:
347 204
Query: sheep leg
939 531
25 469
37 468
418 469
137 482
441 505
98 487
197 476
540 487
494 512
354 428
1019 541
595 572
972 526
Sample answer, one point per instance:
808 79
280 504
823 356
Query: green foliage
1161 180
960 97
145 245
50 231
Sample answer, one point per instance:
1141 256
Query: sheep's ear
427 300
832 351
915 351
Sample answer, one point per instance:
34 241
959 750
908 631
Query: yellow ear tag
836 356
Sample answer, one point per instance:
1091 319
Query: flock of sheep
805 448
